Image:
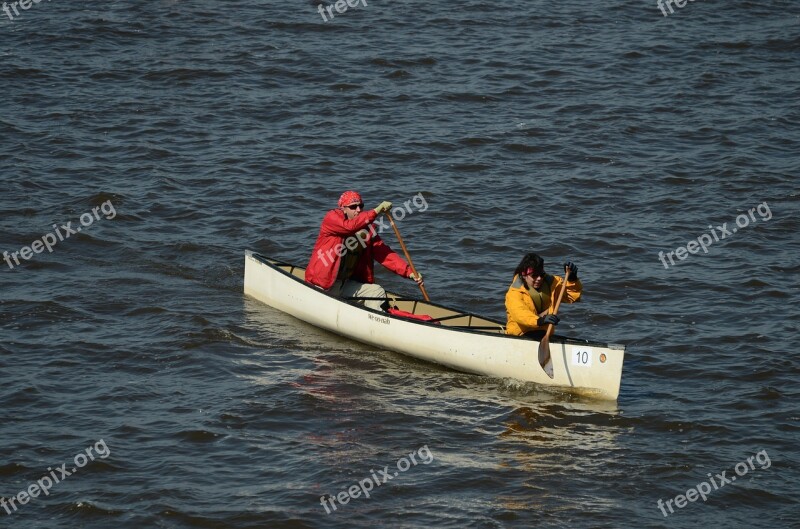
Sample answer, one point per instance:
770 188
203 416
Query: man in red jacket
342 261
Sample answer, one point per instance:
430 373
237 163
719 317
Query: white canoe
461 340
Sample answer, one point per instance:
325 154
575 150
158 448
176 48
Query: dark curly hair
531 260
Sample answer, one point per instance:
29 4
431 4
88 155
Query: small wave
12 469
199 436
519 147
85 509
398 74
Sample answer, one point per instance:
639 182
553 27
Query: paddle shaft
405 252
544 345
551 327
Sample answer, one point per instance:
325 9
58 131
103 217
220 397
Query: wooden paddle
405 251
544 345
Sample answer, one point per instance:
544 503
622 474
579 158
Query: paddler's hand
549 319
417 277
384 206
573 270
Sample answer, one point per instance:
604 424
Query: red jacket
336 230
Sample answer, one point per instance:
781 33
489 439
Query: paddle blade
544 356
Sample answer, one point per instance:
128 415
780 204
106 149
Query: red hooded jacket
336 230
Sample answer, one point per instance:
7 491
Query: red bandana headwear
349 198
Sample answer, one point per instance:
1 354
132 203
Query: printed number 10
583 358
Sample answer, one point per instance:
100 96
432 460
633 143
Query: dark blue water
597 132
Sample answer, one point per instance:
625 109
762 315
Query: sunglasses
535 274
355 206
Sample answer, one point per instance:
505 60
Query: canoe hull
587 368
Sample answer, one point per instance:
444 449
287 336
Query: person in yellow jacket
533 292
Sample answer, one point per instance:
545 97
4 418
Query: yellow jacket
521 311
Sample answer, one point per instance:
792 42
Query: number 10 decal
582 356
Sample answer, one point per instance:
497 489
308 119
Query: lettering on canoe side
386 321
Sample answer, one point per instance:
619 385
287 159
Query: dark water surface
599 132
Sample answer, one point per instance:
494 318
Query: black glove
548 319
573 270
